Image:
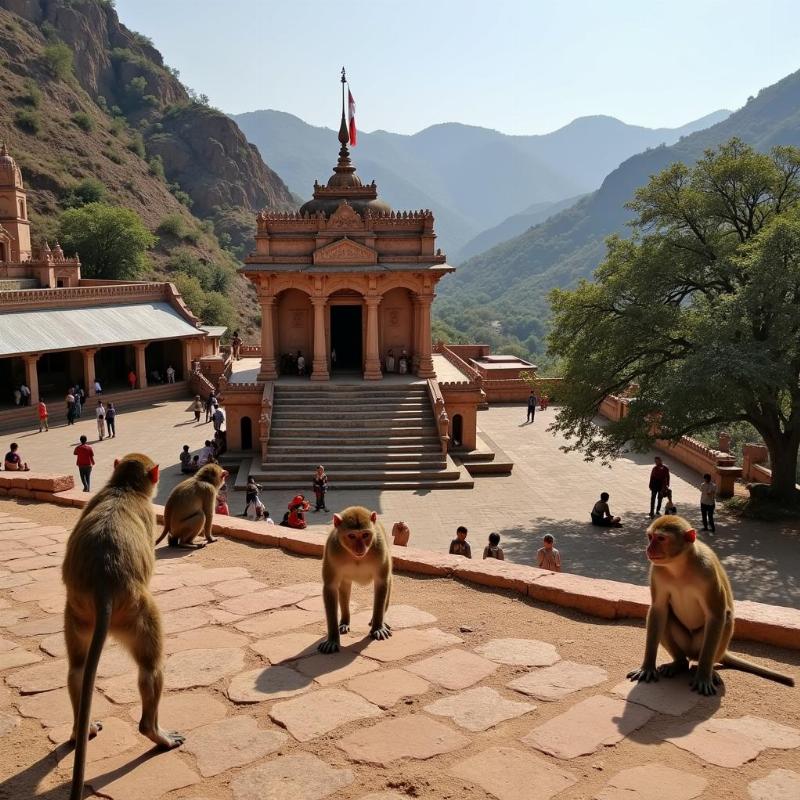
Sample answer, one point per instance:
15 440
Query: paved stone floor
548 492
477 694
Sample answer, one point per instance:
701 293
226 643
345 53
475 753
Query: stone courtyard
478 694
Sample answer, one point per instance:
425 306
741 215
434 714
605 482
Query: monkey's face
357 542
667 539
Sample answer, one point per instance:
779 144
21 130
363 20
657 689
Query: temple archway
246 431
458 430
346 325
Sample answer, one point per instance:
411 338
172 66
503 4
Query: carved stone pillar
187 359
141 365
88 370
425 369
372 364
32 376
415 337
267 371
320 368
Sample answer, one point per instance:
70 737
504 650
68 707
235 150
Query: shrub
192 236
89 190
136 144
32 96
183 198
218 310
157 167
58 60
28 121
172 225
192 291
83 121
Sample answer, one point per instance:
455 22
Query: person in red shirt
132 379
85 462
43 416
659 483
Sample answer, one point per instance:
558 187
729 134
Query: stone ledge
757 622
36 481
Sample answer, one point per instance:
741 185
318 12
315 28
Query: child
460 546
669 506
548 557
295 516
320 484
186 459
222 504
43 416
493 549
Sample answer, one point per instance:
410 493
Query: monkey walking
691 611
107 568
356 550
189 510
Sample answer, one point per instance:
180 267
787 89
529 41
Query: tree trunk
783 453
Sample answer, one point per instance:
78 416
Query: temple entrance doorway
346 337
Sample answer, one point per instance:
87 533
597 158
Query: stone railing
470 373
250 351
439 414
201 385
76 295
755 458
265 420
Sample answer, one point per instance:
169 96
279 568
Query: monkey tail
743 665
103 607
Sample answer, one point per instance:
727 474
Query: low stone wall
34 485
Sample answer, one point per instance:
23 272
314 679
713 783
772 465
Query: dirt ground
26 754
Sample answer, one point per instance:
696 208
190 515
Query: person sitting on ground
186 459
13 461
195 465
669 506
548 557
295 516
601 514
222 504
207 453
400 534
493 549
220 443
460 546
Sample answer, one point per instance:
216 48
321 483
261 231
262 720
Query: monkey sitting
107 568
356 550
190 508
691 611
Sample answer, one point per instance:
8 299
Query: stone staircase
367 437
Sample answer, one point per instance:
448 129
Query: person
98 389
301 363
601 514
111 421
254 508
13 461
196 407
206 453
493 549
77 393
220 443
70 400
544 401
320 484
295 516
401 533
531 407
236 345
659 483
218 417
17 396
390 360
333 359
211 401
185 459
170 374
25 393
195 465
156 376
460 546
100 413
85 462
708 499
669 506
222 504
132 379
43 416
548 557
402 363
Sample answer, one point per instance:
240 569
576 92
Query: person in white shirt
301 364
170 374
100 413
26 394
708 499
98 389
206 454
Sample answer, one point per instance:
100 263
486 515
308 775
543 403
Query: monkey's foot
705 686
644 675
344 627
328 646
380 633
94 729
211 539
673 668
385 625
166 740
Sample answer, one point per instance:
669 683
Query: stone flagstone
121 689
298 777
213 637
238 587
185 619
115 661
183 712
185 597
780 784
668 696
41 678
478 709
412 736
653 781
8 723
388 687
383 796
259 602
7 644
308 589
54 708
231 743
453 669
406 643
586 727
399 617
11 616
329 668
316 713
267 683
213 575
287 647
18 658
510 774
201 667
520 652
287 619
563 678
41 626
116 737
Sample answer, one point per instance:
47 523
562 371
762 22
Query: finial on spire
344 134
4 149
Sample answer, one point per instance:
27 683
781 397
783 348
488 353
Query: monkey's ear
690 535
337 520
153 474
373 516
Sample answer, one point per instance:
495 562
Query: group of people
213 409
400 364
22 395
547 557
294 517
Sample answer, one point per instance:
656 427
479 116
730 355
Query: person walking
78 395
70 401
211 401
196 407
100 413
659 483
531 407
708 500
170 374
25 392
218 418
111 420
320 484
85 461
43 416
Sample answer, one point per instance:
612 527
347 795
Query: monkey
107 567
356 550
691 611
190 508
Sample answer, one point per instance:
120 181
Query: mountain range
472 178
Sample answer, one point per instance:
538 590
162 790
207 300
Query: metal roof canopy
46 330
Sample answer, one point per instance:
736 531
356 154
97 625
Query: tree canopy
700 310
110 241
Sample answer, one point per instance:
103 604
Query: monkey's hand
329 646
344 627
644 675
673 668
705 686
380 633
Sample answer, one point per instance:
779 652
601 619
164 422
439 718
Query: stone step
308 397
333 468
393 484
353 423
334 455
301 476
310 436
355 406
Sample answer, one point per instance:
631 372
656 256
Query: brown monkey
356 550
107 568
190 507
691 611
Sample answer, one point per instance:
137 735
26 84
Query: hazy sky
520 66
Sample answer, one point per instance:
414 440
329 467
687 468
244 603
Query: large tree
700 310
110 241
